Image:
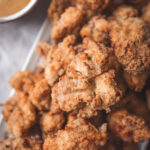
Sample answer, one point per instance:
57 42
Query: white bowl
20 13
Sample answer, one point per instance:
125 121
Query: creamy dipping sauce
9 7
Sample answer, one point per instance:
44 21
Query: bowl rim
20 13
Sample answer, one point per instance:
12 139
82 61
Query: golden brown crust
78 134
56 8
41 95
21 115
43 48
51 122
58 58
146 13
25 143
24 81
97 29
128 127
130 40
66 26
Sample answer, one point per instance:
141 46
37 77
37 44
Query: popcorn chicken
78 134
51 122
59 57
101 55
136 82
25 143
128 127
123 12
75 92
56 8
41 95
97 29
43 48
24 81
146 13
66 26
130 40
20 114
107 89
91 4
71 91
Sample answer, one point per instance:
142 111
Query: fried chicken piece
78 134
56 8
91 4
130 40
43 48
136 82
107 89
58 59
19 113
123 12
24 81
41 95
146 13
75 92
128 127
100 55
51 122
25 143
71 91
97 29
89 7
66 26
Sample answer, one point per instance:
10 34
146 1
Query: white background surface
16 39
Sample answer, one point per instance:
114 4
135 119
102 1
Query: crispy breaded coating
78 134
24 81
56 8
51 122
130 41
123 12
59 57
43 48
41 95
89 7
91 4
21 115
71 91
75 92
107 89
146 13
25 143
100 55
128 127
97 29
136 82
9 106
66 26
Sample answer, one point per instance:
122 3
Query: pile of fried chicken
93 92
